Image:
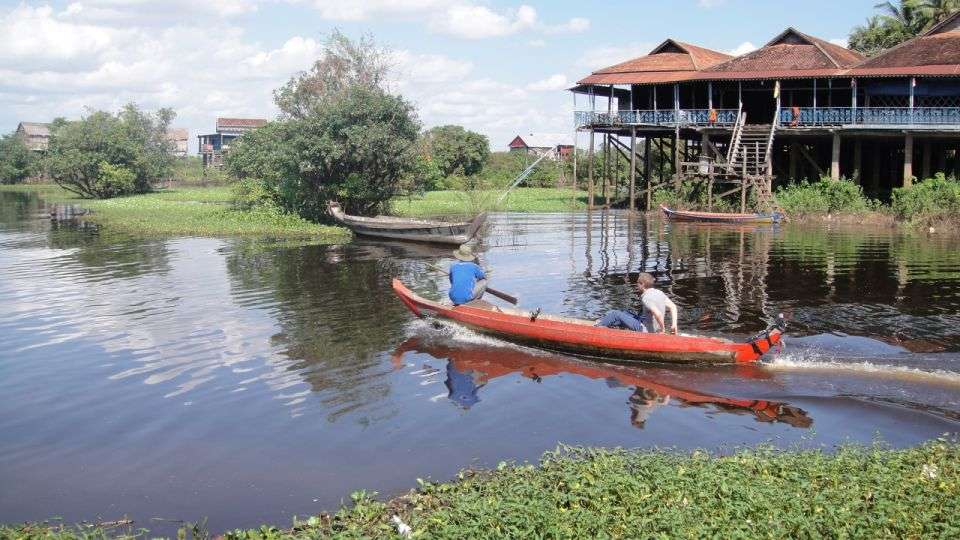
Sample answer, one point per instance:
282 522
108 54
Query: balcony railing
666 118
869 116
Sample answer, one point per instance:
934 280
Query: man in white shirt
651 319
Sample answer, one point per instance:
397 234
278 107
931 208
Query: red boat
581 337
719 217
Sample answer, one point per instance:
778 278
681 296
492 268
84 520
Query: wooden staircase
750 153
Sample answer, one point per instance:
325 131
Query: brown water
248 381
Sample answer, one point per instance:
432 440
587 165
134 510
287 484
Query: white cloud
359 10
479 22
576 25
604 56
742 48
551 83
59 63
840 41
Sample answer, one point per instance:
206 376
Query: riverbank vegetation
464 203
861 492
187 211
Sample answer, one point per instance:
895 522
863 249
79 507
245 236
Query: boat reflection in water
471 366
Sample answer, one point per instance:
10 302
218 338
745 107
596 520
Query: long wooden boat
581 337
720 217
417 230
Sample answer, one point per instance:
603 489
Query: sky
498 67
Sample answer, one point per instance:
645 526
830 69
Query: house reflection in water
470 367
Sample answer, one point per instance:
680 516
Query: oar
499 294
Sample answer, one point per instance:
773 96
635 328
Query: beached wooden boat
417 230
720 217
581 337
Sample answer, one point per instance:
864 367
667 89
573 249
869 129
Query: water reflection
471 367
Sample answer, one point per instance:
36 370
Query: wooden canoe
719 217
416 230
581 337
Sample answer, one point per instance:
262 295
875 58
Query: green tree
341 136
344 64
17 162
105 155
899 22
456 150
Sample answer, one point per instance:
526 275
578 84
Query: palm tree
912 15
939 10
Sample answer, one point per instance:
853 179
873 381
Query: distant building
178 137
539 144
35 134
214 145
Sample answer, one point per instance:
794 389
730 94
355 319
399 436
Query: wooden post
743 188
590 161
705 153
606 170
676 158
633 166
857 161
908 160
646 170
794 154
576 135
925 168
835 157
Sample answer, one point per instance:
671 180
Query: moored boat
416 230
720 217
581 337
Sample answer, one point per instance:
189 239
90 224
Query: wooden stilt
925 167
857 161
633 167
646 171
908 160
794 154
835 157
676 159
590 166
607 172
743 188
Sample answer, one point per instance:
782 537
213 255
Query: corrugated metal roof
670 61
545 140
936 52
35 129
240 122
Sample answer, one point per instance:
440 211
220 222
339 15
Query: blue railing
668 117
869 116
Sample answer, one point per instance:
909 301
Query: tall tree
16 160
456 150
899 22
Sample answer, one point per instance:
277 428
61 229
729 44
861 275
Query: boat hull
582 338
717 217
412 230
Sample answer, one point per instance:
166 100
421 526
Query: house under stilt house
797 108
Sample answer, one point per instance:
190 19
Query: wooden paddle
499 294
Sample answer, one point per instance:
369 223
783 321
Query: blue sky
497 67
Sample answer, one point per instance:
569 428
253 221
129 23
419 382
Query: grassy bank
436 203
854 492
187 211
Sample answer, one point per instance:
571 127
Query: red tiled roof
790 54
240 122
936 52
670 61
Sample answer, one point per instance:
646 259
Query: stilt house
798 107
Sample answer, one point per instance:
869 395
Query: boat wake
807 362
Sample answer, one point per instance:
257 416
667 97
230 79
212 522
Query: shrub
824 196
96 156
456 150
249 194
930 198
17 162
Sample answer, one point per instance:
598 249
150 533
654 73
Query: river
247 381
